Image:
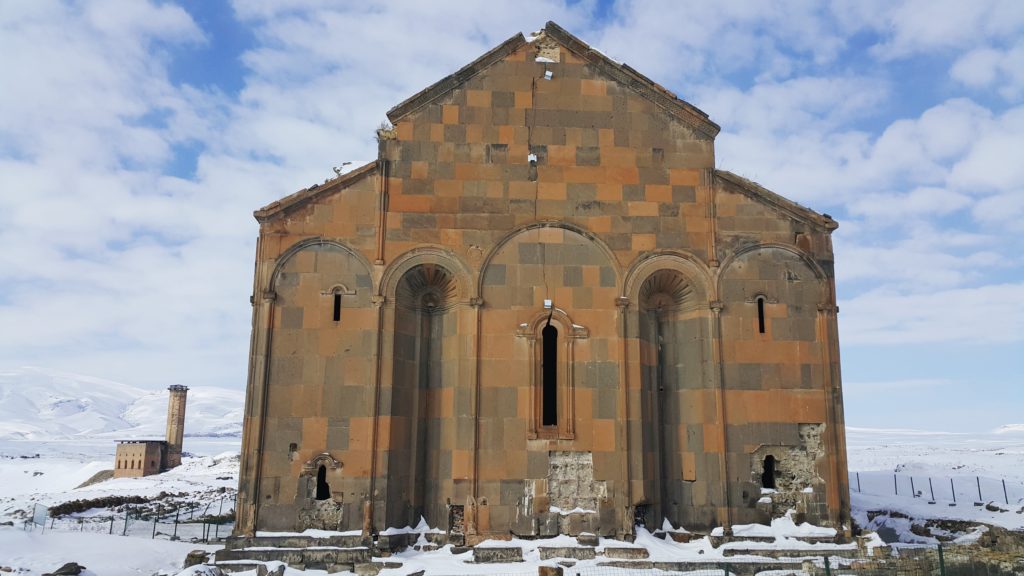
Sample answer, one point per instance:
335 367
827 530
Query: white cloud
712 38
1001 69
924 26
123 270
898 206
986 314
993 162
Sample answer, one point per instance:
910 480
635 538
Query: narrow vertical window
337 307
760 314
549 371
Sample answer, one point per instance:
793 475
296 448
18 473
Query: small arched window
760 314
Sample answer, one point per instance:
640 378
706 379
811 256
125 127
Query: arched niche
423 291
459 289
669 328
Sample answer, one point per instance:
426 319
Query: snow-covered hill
41 404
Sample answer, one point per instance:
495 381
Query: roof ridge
460 76
777 200
620 72
277 207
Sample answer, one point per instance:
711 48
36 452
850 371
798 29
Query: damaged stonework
571 481
548 49
321 515
321 507
788 474
568 501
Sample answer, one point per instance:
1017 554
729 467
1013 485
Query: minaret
175 425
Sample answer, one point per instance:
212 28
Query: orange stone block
437 132
404 130
681 177
593 87
450 114
604 435
658 193
551 191
404 203
418 169
478 98
642 208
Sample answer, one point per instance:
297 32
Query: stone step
626 552
714 567
574 552
497 555
293 541
322 557
233 566
816 552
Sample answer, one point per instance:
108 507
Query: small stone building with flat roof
135 458
542 310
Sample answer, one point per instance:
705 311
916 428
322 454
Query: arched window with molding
335 293
553 335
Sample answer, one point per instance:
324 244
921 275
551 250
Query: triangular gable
621 73
302 197
765 196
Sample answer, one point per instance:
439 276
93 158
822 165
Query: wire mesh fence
951 490
189 525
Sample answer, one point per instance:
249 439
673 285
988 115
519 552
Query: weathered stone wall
516 196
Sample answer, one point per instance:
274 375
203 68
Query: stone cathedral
542 310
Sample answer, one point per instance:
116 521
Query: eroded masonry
542 310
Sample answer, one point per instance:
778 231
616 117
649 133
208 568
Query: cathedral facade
542 310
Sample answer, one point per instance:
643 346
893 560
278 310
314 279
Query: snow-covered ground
925 477
44 459
47 472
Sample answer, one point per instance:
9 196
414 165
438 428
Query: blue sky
136 138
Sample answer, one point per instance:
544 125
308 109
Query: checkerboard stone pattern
401 312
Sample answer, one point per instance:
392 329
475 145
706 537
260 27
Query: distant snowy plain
57 430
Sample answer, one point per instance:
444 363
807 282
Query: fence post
942 562
858 481
726 570
978 480
931 489
175 537
828 568
913 491
111 531
124 532
1005 497
953 490
895 485
154 529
